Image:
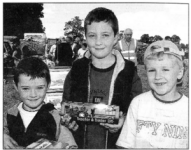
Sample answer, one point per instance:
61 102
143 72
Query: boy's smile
162 77
100 39
32 92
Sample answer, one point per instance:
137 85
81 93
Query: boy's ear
116 38
181 73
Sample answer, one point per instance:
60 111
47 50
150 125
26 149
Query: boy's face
100 39
32 91
162 76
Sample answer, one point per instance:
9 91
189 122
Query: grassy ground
10 96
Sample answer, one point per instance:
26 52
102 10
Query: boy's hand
113 128
9 142
67 121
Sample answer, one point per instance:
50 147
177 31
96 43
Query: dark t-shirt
100 80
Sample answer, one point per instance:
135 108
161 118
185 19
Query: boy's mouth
160 84
32 99
99 49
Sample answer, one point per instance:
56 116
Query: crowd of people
103 74
66 50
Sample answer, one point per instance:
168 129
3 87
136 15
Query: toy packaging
40 144
94 113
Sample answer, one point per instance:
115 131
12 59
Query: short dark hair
102 14
33 67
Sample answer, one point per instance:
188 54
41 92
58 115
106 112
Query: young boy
101 76
32 119
158 118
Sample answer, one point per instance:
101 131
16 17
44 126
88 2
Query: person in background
82 50
17 54
32 119
158 118
129 45
64 54
69 40
75 47
49 61
52 51
101 76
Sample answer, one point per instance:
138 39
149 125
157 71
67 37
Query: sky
164 19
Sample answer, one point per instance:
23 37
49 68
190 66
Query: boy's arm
136 86
72 125
67 87
5 126
127 136
63 135
66 136
8 142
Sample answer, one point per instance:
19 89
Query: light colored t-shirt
151 123
26 116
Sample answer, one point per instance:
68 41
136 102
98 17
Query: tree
157 38
74 27
145 38
20 18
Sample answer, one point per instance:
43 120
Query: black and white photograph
95 75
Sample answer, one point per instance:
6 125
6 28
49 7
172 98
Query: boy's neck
31 109
104 63
170 97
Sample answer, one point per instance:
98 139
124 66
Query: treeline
20 18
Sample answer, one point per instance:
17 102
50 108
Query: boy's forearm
5 126
67 87
66 136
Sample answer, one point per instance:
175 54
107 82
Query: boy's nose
98 40
158 75
33 93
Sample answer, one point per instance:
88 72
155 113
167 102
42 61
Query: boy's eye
25 89
165 69
151 70
91 35
40 87
105 35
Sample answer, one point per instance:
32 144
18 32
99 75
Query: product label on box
90 112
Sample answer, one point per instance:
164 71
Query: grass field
10 96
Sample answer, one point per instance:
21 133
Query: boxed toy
48 144
40 144
89 112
